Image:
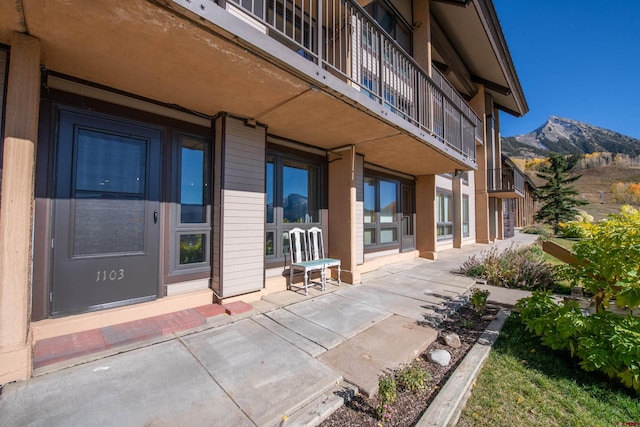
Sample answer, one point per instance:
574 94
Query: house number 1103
104 275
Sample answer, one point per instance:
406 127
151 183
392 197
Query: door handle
155 216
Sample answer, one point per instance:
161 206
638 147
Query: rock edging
445 409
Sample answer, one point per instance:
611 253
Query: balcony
342 39
505 183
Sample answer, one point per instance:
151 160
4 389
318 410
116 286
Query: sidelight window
444 214
192 212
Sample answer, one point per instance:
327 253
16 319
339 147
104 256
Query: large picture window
192 222
381 219
293 199
444 214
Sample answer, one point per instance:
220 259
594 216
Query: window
444 214
293 199
192 223
391 21
380 211
465 216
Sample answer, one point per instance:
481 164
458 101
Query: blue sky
575 59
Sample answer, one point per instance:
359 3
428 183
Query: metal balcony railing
341 36
505 179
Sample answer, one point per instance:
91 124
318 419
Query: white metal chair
300 260
316 251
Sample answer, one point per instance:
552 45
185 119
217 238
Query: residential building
155 153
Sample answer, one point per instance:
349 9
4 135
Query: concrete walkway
289 361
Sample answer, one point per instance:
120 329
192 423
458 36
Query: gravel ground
408 407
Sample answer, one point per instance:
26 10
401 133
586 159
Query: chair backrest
297 245
316 244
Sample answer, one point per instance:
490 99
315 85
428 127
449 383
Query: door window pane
193 182
109 194
388 201
192 248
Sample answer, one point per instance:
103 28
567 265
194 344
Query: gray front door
106 206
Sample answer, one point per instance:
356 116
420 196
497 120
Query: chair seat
310 264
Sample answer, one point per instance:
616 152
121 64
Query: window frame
466 216
377 225
177 228
441 195
278 228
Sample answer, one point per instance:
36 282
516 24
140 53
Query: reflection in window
193 182
270 188
380 208
369 236
121 168
270 250
444 214
369 200
298 188
465 215
388 201
191 212
192 248
293 199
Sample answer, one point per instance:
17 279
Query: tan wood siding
242 208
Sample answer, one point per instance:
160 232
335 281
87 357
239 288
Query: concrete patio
288 361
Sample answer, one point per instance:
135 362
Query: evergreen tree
557 196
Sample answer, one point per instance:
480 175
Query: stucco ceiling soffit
12 13
281 104
452 59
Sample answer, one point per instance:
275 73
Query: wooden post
16 209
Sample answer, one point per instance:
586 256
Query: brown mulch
408 407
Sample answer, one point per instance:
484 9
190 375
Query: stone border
446 408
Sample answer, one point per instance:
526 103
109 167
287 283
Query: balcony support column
346 168
426 239
477 103
16 210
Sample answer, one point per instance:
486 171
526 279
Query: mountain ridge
567 136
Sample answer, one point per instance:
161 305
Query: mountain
568 136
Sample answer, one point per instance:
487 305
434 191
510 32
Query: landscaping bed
409 406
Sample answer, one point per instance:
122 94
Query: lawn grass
526 384
565 243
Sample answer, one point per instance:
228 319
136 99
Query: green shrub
478 299
609 262
575 229
386 395
604 341
515 267
413 378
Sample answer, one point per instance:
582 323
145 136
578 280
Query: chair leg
306 282
323 278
